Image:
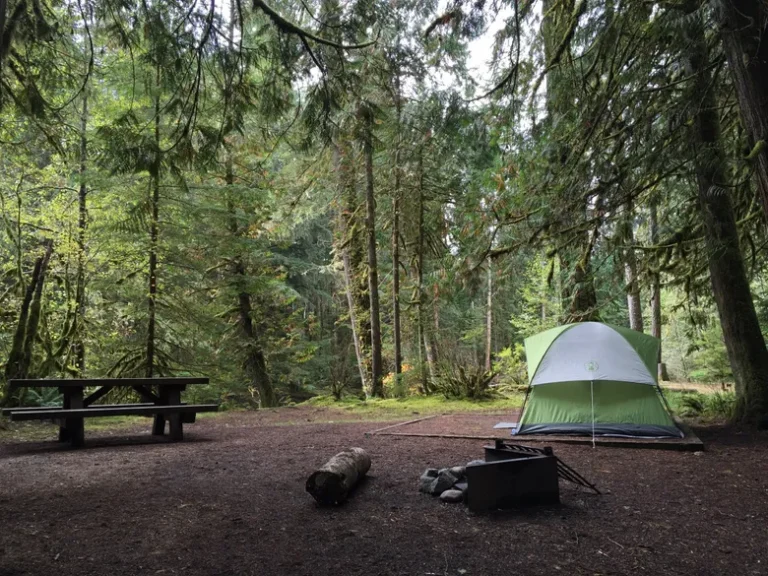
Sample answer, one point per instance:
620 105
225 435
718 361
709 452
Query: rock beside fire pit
444 481
448 483
426 480
452 496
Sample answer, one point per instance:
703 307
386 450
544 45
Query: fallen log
332 483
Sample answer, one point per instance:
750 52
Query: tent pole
522 409
592 394
663 398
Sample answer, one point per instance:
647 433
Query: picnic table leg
158 427
63 433
175 424
75 428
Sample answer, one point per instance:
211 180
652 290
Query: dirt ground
230 500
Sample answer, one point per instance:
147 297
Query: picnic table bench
164 404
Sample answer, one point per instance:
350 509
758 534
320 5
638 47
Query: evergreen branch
442 20
578 11
89 69
513 72
291 28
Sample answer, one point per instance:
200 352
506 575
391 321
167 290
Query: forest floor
230 500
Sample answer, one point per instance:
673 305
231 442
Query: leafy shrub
693 404
42 397
717 406
721 405
709 356
459 381
398 386
512 369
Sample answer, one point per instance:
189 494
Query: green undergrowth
378 409
703 408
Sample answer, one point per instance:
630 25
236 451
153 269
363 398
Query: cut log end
333 482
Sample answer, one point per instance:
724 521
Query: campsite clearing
230 500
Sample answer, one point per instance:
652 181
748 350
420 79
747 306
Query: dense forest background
325 197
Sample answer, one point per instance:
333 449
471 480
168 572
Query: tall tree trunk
153 236
345 220
743 339
19 358
431 356
255 363
579 296
377 388
656 292
33 322
489 319
396 240
396 282
578 290
422 339
353 319
15 363
82 223
744 30
354 242
630 274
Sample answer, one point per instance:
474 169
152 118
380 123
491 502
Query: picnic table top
82 382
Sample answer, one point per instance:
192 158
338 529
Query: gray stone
452 496
444 481
461 486
426 479
458 471
425 484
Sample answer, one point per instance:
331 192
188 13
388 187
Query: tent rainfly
594 379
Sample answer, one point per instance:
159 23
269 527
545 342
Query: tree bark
255 363
353 319
20 356
429 348
396 241
489 319
579 296
421 333
744 31
344 225
630 275
153 236
377 388
14 364
33 322
82 224
743 338
333 482
656 294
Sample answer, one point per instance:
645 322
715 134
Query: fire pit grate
503 450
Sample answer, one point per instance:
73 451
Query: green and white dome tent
594 379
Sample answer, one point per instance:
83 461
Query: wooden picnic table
161 398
